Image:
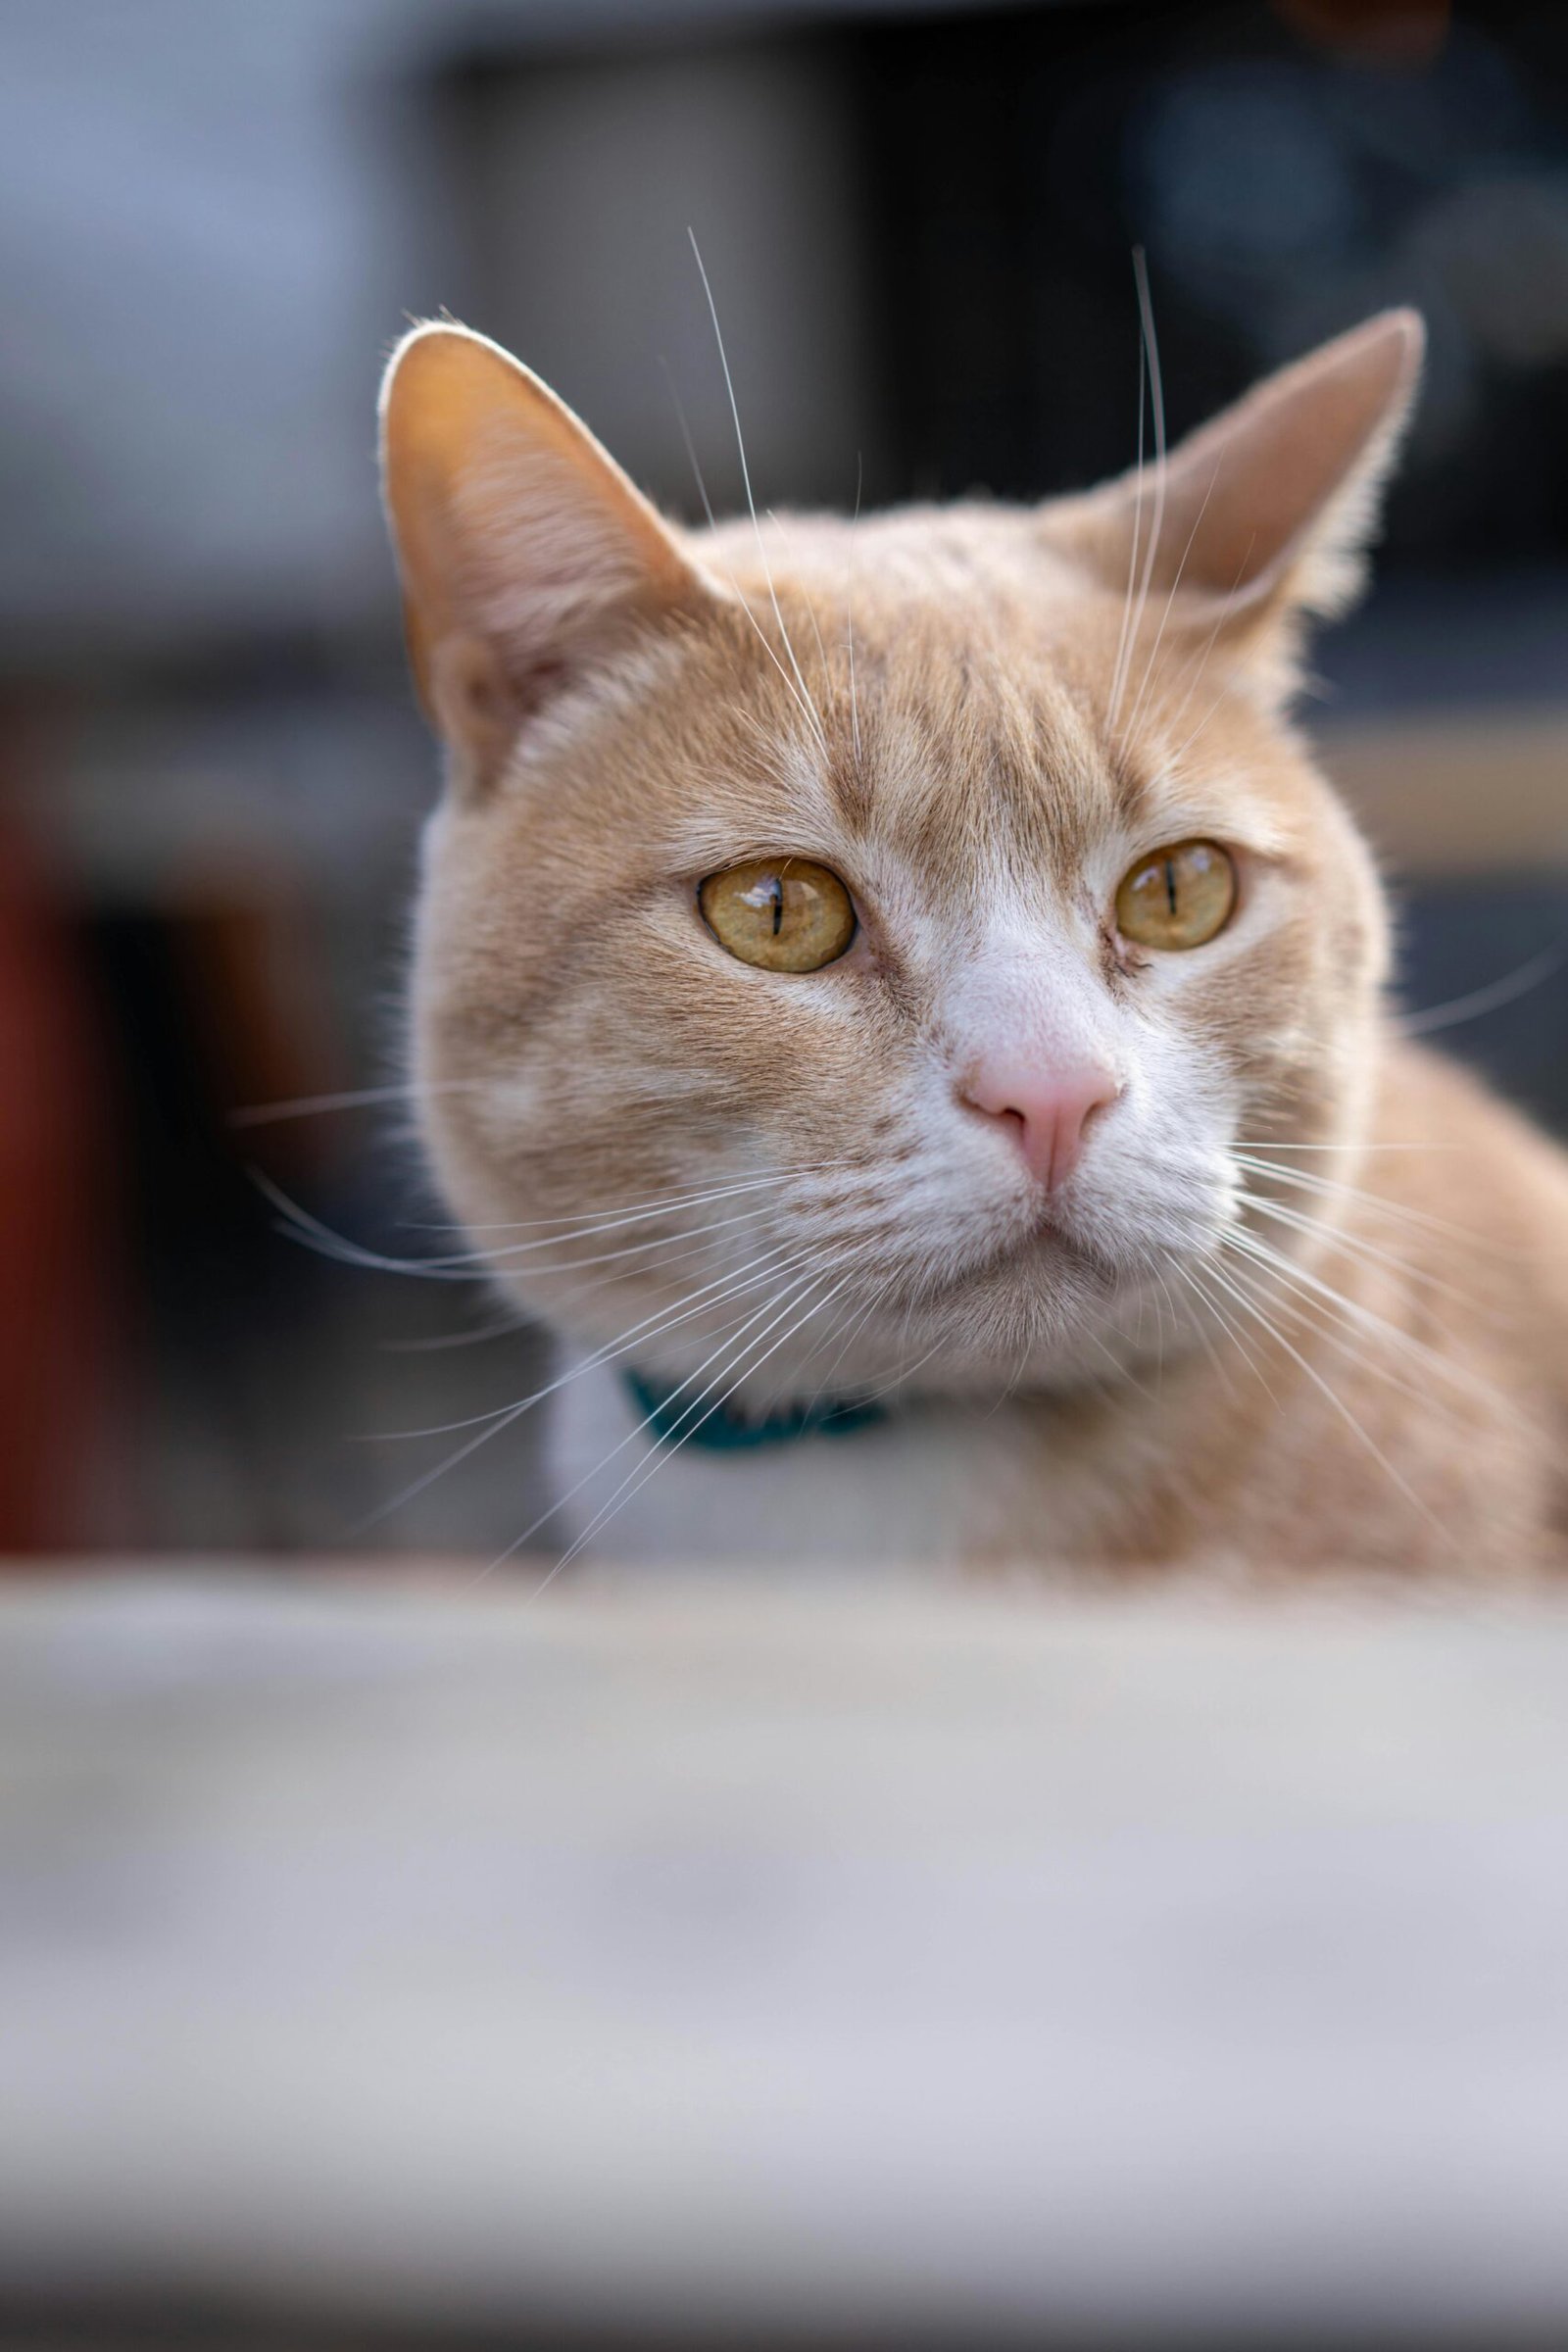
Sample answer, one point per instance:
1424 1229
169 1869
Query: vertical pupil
1170 886
777 889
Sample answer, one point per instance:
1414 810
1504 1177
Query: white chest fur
930 1486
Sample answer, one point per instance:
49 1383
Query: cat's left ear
527 557
1268 511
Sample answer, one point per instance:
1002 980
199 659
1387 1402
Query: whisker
656 1202
1174 761
907 1372
1312 1315
465 1265
1335 1234
708 508
307 1106
1398 1211
606 1257
1214 705
811 609
1131 727
1298 1278
660 1319
496 1423
850 1325
1491 999
849 601
1363 1436
1138 520
1208 1346
746 477
1272 1143
560 1502
312 1234
1146 312
438 1343
659 1454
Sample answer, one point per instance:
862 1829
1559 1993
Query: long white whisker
905 1372
463 1265
689 1199
1273 1143
1300 1278
1184 748
1131 728
438 1342
1313 1316
745 478
1396 1211
1336 1234
603 1257
729 578
849 601
306 1106
1491 999
1362 1435
1210 1350
1192 683
312 1234
811 609
1138 520
1157 398
661 1454
701 1303
560 1502
714 1292
849 1325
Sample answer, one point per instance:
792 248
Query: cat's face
862 954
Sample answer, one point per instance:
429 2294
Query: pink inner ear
1302 453
1268 480
526 552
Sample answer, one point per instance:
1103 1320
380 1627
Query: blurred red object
1391 33
56 1232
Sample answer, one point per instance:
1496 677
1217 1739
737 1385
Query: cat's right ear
526 555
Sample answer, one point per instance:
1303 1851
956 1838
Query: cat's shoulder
1461 1131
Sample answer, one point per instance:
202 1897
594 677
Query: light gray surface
699 1955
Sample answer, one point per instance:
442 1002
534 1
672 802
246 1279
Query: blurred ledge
691 1963
1478 791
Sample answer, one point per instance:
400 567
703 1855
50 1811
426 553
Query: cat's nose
1047 1110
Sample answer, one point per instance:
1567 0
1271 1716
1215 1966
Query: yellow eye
1178 898
783 913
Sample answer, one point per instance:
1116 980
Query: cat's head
843 945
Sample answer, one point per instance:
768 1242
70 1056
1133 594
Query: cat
898 1001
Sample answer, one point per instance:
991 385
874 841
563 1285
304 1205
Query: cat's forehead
942 700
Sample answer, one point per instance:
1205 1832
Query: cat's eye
1178 898
783 913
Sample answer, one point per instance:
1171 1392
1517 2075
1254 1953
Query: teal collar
677 1419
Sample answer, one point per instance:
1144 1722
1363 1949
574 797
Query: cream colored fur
760 1182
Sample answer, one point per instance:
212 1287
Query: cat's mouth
1045 1259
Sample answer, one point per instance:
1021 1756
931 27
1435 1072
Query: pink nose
1048 1110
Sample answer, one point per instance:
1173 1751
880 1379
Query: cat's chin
1058 1266
1054 1308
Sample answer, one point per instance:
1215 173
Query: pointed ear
526 555
1268 510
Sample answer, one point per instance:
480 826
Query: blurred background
918 221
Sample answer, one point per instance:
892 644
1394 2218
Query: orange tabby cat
902 995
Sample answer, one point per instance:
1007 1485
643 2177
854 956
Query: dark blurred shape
1395 32
1282 192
